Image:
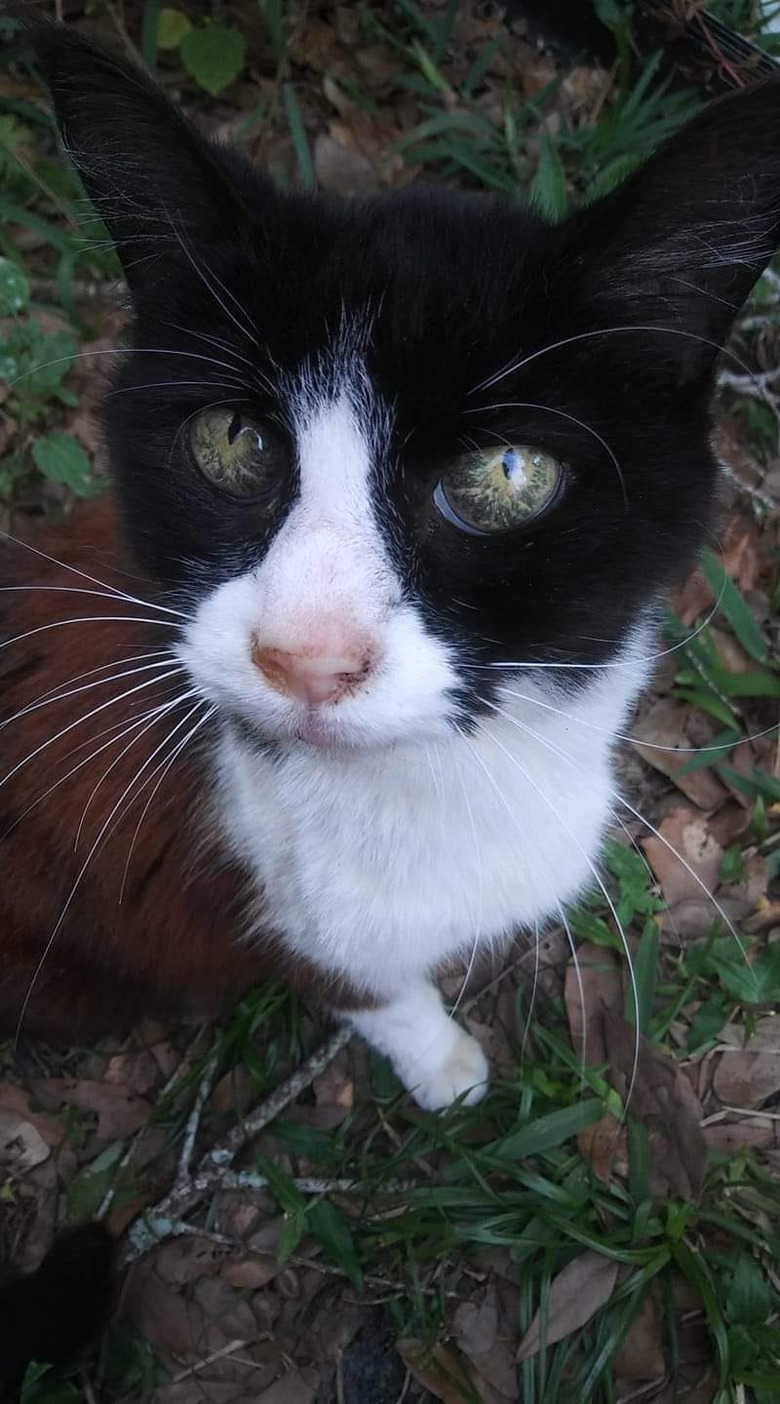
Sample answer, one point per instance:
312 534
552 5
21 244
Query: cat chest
370 868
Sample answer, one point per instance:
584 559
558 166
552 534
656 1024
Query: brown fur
171 944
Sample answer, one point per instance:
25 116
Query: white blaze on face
318 643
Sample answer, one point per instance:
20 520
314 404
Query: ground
294 1229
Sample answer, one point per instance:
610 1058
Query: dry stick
193 1120
213 1170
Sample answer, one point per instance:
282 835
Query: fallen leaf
686 858
297 1387
14 1099
21 1146
641 1355
661 1097
576 1294
478 1337
137 1072
442 1370
669 732
592 984
745 1078
740 1133
120 1113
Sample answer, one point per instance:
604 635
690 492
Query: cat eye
240 456
494 490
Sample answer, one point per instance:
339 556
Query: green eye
489 491
239 456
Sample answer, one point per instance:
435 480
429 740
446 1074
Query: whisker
112 701
76 885
183 697
729 925
91 619
630 663
242 326
86 687
624 735
514 366
548 409
167 764
113 592
122 728
583 853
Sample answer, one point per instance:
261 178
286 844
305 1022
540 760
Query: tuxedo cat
328 685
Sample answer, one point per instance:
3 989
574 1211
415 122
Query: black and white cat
409 475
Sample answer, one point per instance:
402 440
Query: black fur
449 288
642 286
52 1314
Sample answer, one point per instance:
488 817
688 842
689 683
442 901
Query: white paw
437 1081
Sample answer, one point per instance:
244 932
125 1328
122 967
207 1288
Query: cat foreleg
433 1056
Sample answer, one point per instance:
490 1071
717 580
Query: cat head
383 447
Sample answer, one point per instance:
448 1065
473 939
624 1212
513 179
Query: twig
193 1120
214 1171
229 1349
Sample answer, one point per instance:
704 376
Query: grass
507 1177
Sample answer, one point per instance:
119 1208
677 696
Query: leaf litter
235 1313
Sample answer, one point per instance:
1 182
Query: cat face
383 451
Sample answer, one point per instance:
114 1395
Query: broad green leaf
330 1226
730 601
14 288
61 459
214 56
548 187
748 1300
292 1232
172 25
548 1131
590 927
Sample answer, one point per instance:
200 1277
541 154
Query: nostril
312 678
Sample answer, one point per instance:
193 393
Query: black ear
680 244
160 186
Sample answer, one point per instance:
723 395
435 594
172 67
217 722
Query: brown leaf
576 1294
444 1372
297 1387
604 1146
641 1355
478 1336
661 1097
137 1072
120 1113
669 724
687 834
740 1133
591 985
14 1099
745 1078
21 1146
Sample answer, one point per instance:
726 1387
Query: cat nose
312 676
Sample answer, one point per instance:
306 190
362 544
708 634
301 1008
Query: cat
328 685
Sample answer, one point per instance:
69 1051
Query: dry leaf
740 1133
669 724
591 985
120 1113
641 1355
661 1097
14 1099
687 834
444 1372
21 1146
576 1294
746 1077
297 1387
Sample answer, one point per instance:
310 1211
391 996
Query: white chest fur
380 864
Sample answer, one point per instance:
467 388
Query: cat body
399 483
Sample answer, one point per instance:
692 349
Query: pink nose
311 677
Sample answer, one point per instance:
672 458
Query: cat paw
464 1070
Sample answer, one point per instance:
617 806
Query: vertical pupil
510 464
234 428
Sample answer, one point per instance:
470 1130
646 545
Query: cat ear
680 244
161 188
